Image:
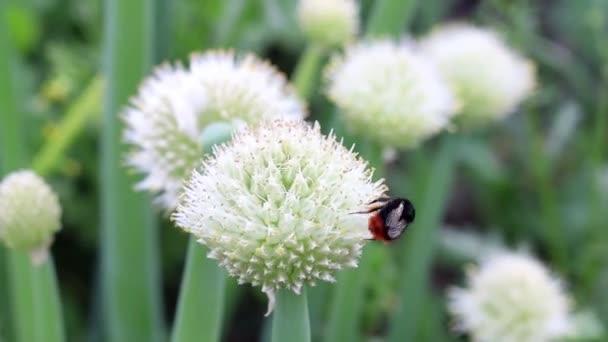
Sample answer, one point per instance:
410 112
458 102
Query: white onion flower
329 22
489 78
511 298
274 206
29 213
176 103
390 93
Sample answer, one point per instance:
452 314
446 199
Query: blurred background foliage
545 165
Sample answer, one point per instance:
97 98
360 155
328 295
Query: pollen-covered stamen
292 218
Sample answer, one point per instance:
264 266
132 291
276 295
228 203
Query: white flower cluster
274 205
175 104
489 78
511 298
329 22
390 93
399 94
29 212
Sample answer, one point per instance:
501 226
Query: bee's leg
369 210
380 200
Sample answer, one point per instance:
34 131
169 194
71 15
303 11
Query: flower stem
130 268
549 211
201 298
349 291
347 303
306 71
420 243
34 298
290 320
77 115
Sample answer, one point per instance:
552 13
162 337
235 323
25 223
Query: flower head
489 78
176 103
388 92
329 22
274 205
29 212
512 297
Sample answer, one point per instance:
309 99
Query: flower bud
329 22
29 212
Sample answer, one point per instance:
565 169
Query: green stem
76 117
36 304
34 296
599 236
347 301
130 279
290 320
420 244
307 69
549 210
349 291
201 298
390 17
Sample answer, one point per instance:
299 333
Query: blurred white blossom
489 78
274 206
174 105
329 22
29 213
511 298
389 93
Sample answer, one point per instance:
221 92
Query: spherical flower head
29 212
329 22
390 93
511 297
274 205
488 77
175 104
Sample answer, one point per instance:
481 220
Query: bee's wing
395 224
394 231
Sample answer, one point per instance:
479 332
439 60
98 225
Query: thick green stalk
201 298
34 296
348 298
77 115
349 291
389 17
597 199
130 279
290 321
420 244
552 229
307 70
